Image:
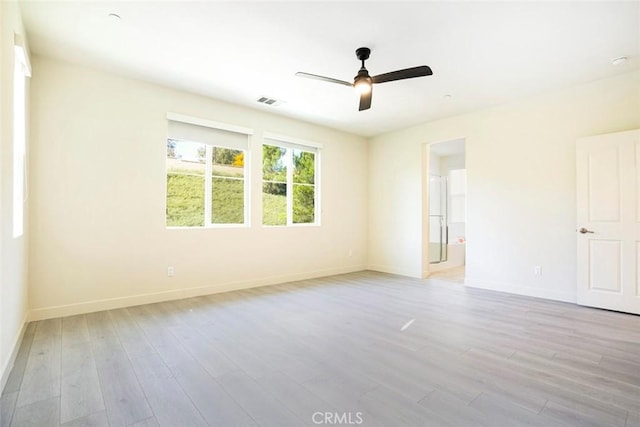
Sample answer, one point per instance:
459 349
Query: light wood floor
454 274
275 356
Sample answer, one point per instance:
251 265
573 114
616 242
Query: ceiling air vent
269 101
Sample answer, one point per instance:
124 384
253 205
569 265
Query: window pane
227 186
19 142
303 203
274 166
274 203
304 170
227 201
227 162
185 183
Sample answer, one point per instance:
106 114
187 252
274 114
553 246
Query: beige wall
98 235
13 280
521 203
98 199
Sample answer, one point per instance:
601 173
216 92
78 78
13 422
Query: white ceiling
481 53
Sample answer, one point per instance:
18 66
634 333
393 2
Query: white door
608 229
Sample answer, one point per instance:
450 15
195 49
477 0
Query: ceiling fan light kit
363 82
363 86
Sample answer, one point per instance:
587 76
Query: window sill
210 227
291 225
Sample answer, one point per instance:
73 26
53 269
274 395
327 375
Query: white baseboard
510 288
392 270
129 301
6 370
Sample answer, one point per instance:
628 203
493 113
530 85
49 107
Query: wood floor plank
246 359
501 412
131 336
427 369
171 406
48 329
41 379
74 330
102 335
595 346
266 410
581 415
609 414
340 388
454 410
158 335
629 369
149 422
369 363
7 406
99 419
297 398
633 419
537 385
195 311
80 393
208 356
606 372
44 413
17 372
618 393
386 408
124 400
214 403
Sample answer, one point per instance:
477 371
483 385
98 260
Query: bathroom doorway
445 210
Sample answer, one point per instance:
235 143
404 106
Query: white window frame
291 143
21 71
209 169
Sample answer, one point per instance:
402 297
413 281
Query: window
207 182
289 182
20 73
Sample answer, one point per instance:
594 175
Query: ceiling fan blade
365 101
407 73
324 79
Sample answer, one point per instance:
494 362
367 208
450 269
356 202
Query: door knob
585 231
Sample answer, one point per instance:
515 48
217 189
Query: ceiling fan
363 82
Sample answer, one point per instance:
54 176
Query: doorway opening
445 222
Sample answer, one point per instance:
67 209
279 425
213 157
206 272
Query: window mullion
207 184
316 193
247 185
289 157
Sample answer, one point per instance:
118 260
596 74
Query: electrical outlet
537 270
171 271
350 253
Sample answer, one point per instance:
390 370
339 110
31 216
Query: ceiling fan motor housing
363 74
363 53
